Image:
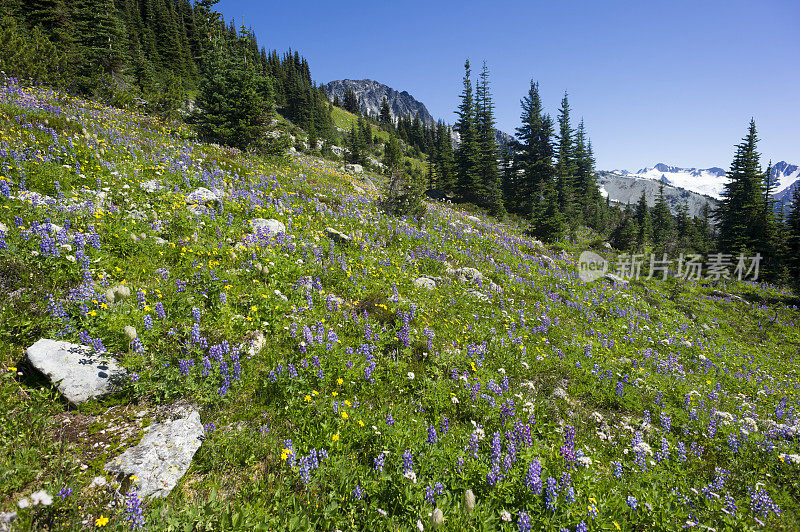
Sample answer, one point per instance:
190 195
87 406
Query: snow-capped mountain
707 181
785 177
711 181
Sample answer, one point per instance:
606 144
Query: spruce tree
642 216
466 154
565 166
624 235
351 102
740 215
488 176
392 153
231 109
662 220
793 238
386 113
529 157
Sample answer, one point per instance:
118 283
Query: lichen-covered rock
77 371
337 236
270 227
161 458
468 275
202 195
425 282
354 168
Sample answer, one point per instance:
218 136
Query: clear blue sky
656 81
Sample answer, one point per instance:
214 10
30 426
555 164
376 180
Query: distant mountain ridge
371 93
711 181
624 189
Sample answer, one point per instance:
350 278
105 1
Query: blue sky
655 81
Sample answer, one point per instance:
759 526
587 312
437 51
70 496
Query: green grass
339 359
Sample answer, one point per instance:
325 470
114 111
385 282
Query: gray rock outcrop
201 196
162 456
270 227
77 371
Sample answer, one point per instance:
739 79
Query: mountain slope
371 93
711 181
628 188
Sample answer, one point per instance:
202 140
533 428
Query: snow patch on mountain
710 181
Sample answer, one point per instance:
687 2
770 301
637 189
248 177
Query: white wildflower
41 497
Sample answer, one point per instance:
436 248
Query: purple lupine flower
617 469
358 493
524 522
568 449
134 512
761 503
632 502
148 322
408 461
551 495
534 477
160 314
444 425
378 461
432 437
666 422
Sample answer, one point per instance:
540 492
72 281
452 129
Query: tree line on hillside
156 54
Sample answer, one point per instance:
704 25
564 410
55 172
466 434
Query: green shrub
404 196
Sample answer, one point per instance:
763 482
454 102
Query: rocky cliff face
623 189
370 94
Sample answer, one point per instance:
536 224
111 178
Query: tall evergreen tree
488 176
793 238
231 108
642 216
351 102
740 214
565 165
529 157
662 220
386 113
466 154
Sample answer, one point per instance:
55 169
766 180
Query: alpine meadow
234 297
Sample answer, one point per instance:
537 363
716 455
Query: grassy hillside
371 401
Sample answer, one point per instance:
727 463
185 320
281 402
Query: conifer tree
565 166
642 216
793 238
662 220
351 102
624 235
488 177
386 113
741 214
466 154
392 153
531 157
231 109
